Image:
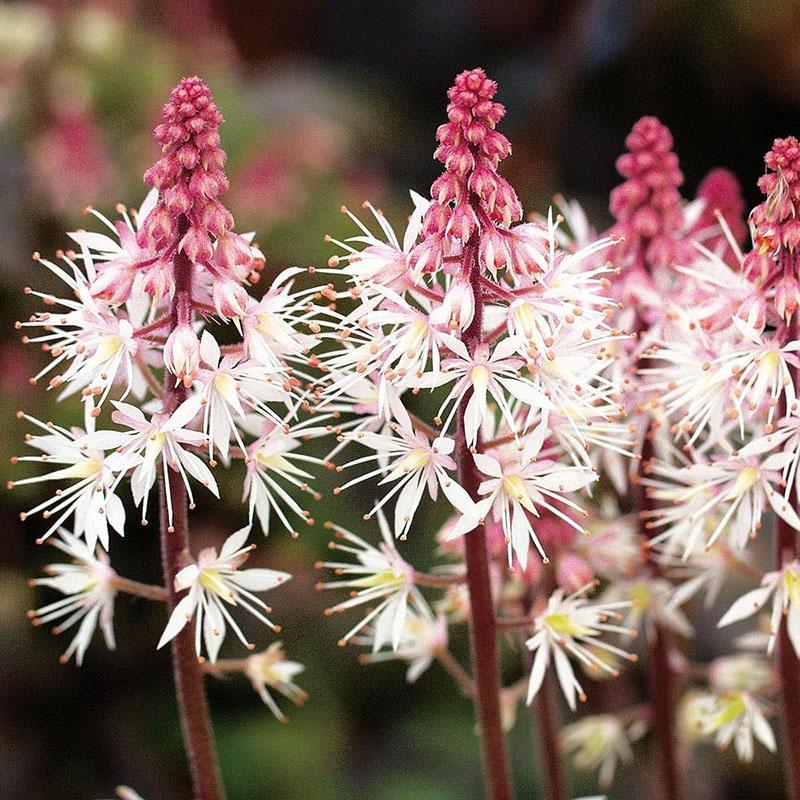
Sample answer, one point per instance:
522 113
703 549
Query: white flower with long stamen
736 717
413 463
271 457
380 576
161 439
783 586
97 347
230 389
494 374
736 488
380 261
272 670
88 583
571 626
215 585
424 637
90 498
519 485
269 324
600 742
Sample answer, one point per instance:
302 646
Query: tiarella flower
88 586
741 672
600 742
229 388
384 261
737 717
271 457
482 375
783 586
116 263
423 639
182 354
269 324
734 489
652 605
413 463
520 485
90 498
570 626
272 670
96 347
215 585
379 577
387 333
162 438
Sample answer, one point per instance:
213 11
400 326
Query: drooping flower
90 498
88 586
216 584
272 670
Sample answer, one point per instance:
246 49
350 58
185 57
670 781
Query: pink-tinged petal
488 465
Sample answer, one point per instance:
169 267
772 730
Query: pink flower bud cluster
469 197
776 228
648 206
721 193
189 217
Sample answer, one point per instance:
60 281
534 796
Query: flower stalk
483 629
788 666
187 670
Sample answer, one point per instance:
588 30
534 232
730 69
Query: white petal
177 622
746 606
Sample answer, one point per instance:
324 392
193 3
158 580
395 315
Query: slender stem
788 664
661 677
544 719
145 590
554 785
438 581
188 672
483 634
456 672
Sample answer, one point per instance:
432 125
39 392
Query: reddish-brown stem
660 674
554 786
544 719
788 664
483 632
187 670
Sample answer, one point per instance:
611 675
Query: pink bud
230 298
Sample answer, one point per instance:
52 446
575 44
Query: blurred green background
326 102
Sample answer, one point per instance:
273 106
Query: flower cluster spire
776 228
189 174
470 196
647 205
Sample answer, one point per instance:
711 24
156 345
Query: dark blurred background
326 102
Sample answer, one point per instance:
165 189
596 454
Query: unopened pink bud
182 354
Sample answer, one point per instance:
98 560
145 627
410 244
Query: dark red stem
189 683
483 632
554 786
788 664
661 677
